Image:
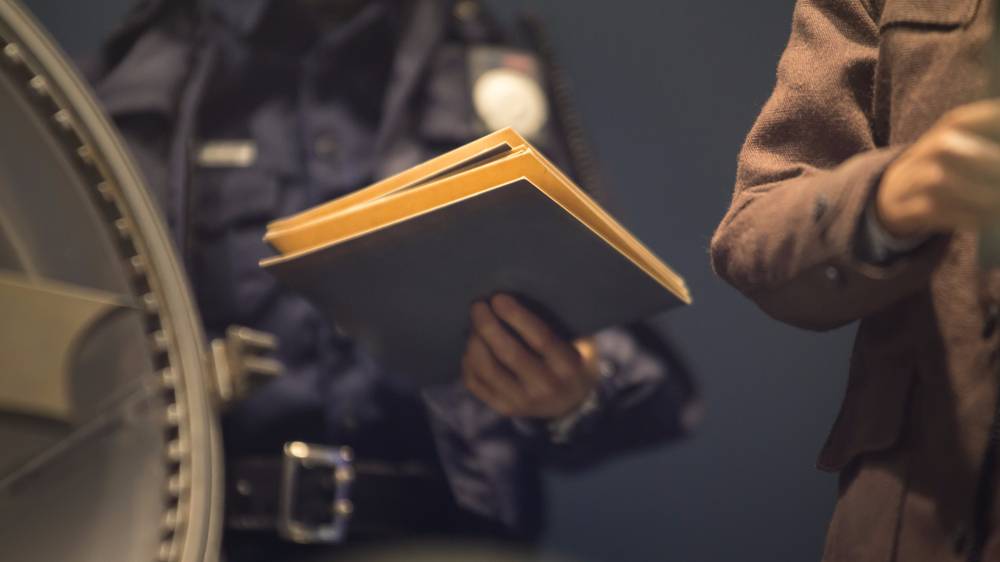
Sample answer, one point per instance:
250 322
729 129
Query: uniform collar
424 30
424 25
149 78
242 15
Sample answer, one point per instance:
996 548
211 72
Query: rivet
138 265
346 454
297 449
150 303
159 341
343 508
167 378
13 52
121 225
64 120
244 488
176 485
175 450
85 154
164 553
39 85
173 414
108 194
170 519
344 475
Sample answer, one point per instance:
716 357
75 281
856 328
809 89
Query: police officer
244 111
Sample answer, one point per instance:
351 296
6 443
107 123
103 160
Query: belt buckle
300 456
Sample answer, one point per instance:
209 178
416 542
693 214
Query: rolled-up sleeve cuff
877 245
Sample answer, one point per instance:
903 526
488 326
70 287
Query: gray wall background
668 90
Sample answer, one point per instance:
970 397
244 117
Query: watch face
109 445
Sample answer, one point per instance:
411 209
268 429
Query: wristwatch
561 429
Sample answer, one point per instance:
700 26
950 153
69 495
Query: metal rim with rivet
169 426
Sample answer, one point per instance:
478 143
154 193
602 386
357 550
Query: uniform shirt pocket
927 14
447 116
235 197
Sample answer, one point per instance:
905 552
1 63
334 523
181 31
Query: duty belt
321 494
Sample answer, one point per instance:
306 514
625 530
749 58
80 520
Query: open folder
397 265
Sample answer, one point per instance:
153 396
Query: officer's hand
546 378
949 179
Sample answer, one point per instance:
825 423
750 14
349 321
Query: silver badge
507 91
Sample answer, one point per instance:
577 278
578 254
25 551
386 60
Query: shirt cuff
883 247
561 429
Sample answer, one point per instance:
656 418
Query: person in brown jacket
859 194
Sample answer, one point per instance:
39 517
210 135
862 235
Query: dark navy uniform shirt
240 114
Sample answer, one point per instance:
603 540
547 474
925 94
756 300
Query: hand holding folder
518 366
398 264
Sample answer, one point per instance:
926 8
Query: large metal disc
109 449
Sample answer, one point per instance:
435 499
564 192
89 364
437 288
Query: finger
960 218
981 117
970 207
511 353
970 156
950 222
489 396
486 368
559 354
970 194
471 378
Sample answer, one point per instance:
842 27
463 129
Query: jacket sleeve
647 397
806 174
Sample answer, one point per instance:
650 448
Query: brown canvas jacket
859 81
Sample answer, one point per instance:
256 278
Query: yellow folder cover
397 264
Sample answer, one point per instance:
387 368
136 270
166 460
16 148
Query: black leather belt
320 494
